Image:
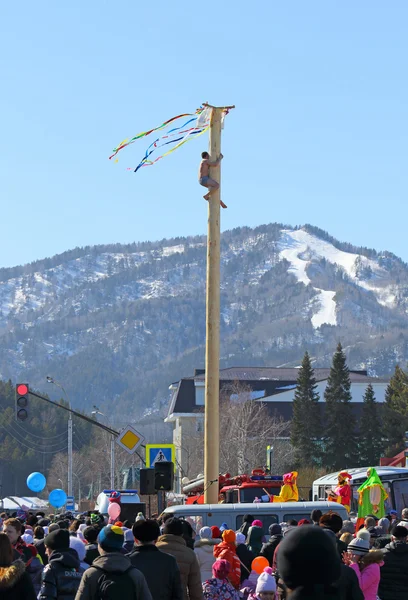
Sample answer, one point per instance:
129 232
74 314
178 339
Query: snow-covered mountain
120 323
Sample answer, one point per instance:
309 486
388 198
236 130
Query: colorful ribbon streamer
199 124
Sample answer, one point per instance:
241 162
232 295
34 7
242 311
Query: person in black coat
40 545
244 554
62 576
394 572
268 549
246 524
160 569
15 582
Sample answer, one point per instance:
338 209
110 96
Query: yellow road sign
129 439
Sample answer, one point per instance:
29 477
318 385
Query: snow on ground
299 248
327 312
168 250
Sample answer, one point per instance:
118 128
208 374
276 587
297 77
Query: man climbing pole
204 178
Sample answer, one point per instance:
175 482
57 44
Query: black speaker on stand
164 476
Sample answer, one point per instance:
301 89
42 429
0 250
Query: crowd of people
322 558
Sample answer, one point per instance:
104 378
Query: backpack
115 585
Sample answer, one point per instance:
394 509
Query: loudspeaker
163 475
147 482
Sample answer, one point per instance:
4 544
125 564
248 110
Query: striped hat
359 546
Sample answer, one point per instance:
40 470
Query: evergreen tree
396 411
306 430
371 443
340 440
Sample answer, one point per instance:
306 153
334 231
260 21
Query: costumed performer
289 491
371 497
342 493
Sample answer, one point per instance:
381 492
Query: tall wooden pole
212 352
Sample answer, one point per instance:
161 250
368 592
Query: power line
29 448
32 442
41 437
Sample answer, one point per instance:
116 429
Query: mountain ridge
119 322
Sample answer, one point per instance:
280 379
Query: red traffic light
22 389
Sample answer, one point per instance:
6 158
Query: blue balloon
36 482
57 498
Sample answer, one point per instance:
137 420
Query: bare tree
246 429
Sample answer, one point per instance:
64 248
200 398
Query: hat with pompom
266 582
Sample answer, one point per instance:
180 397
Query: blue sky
319 133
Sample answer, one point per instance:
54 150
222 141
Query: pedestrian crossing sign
159 453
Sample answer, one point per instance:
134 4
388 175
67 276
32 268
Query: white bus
395 481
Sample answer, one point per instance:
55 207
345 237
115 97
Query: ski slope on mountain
300 249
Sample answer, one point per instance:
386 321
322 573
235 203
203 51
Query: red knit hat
216 533
303 522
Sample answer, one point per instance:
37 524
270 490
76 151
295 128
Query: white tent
26 502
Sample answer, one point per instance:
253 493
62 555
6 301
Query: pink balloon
114 510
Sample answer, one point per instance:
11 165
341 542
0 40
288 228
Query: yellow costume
289 491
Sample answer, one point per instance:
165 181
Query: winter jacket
15 583
394 572
35 569
204 550
347 586
369 579
91 553
61 577
246 557
186 562
112 562
244 528
151 561
228 552
254 539
382 541
219 589
269 548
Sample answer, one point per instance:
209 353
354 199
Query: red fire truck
236 489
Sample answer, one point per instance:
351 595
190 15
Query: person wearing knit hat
216 533
227 550
140 516
203 549
266 585
304 522
111 538
79 547
218 586
62 576
244 554
366 565
102 575
268 549
358 547
223 527
255 537
309 565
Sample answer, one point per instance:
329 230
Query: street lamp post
95 412
52 380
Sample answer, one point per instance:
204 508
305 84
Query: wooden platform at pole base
212 353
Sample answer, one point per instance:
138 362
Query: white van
200 515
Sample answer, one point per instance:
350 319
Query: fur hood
206 542
372 557
9 576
